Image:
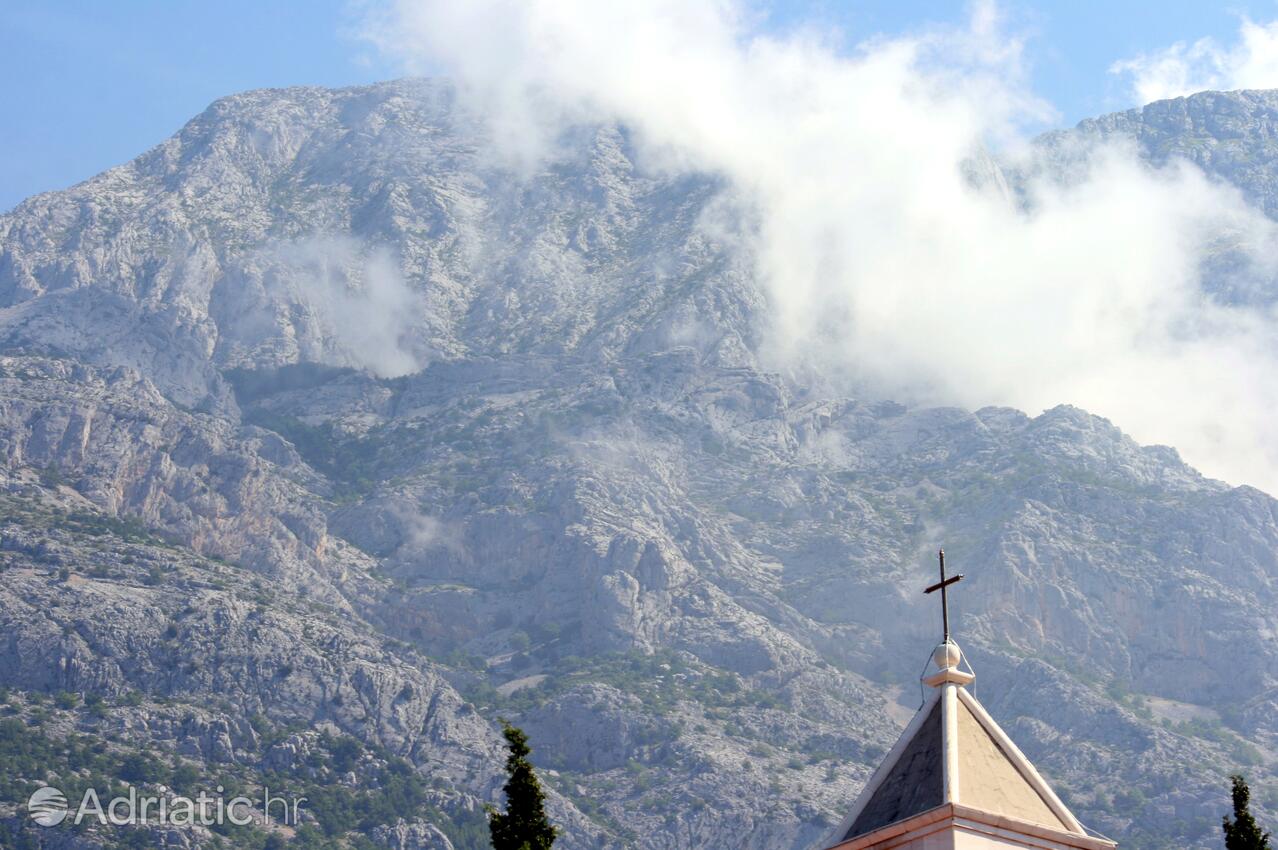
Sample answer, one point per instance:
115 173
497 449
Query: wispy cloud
1251 62
336 301
884 265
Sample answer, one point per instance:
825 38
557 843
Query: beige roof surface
990 780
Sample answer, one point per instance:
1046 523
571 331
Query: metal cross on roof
941 586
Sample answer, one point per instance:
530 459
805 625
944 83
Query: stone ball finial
947 654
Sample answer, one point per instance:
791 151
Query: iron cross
941 586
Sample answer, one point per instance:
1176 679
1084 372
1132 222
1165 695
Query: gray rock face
331 421
412 836
1229 135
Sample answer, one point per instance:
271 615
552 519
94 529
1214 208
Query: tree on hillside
1242 832
523 826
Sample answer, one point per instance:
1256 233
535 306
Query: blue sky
88 85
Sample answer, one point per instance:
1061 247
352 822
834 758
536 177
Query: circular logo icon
47 806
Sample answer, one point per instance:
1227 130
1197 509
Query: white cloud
358 309
1181 69
422 532
883 264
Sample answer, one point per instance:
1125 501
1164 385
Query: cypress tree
1242 832
523 826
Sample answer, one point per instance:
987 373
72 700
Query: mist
358 309
887 266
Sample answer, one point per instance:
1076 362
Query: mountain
328 441
1230 135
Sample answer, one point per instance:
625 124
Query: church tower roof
954 779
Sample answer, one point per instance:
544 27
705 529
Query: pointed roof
954 763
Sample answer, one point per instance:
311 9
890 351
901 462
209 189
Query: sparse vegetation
338 814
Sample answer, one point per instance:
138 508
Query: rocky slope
1227 134
317 379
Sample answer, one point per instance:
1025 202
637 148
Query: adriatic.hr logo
47 806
